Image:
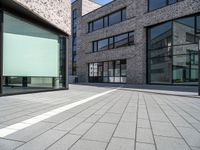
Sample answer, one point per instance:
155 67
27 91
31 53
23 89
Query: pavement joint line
155 100
53 128
81 138
29 122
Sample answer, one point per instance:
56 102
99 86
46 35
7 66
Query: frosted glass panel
29 50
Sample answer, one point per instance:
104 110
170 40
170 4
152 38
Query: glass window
131 38
198 24
155 4
123 14
115 18
111 43
105 69
160 36
32 54
74 13
182 49
105 21
98 24
95 49
182 28
160 70
103 45
121 40
90 27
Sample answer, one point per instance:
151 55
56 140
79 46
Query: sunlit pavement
99 118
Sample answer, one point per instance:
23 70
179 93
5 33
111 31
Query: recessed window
103 44
156 4
98 24
114 42
107 20
198 24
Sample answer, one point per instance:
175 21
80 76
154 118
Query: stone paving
121 120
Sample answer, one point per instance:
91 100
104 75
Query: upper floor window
198 24
156 4
107 20
114 42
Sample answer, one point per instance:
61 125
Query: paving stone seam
64 121
95 123
68 132
171 122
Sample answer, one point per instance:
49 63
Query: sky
100 1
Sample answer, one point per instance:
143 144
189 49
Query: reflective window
156 4
183 29
114 42
160 36
173 63
121 40
103 45
98 24
110 71
115 18
198 24
108 20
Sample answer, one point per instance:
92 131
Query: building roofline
25 12
99 8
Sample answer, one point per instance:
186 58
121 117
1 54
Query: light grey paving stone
121 144
110 118
125 130
8 144
60 117
159 116
164 129
191 136
100 132
131 109
179 122
93 118
144 135
31 132
65 142
43 141
89 145
16 120
166 143
82 128
195 148
86 113
143 123
197 126
69 124
144 146
129 117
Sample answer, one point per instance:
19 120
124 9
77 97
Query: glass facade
74 40
156 4
116 41
33 57
107 20
173 52
108 72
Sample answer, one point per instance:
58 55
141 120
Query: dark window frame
113 44
91 23
167 4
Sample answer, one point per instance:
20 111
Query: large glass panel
103 44
98 24
111 71
163 52
184 31
185 68
198 24
121 40
160 70
155 4
123 14
160 36
30 53
115 18
183 49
